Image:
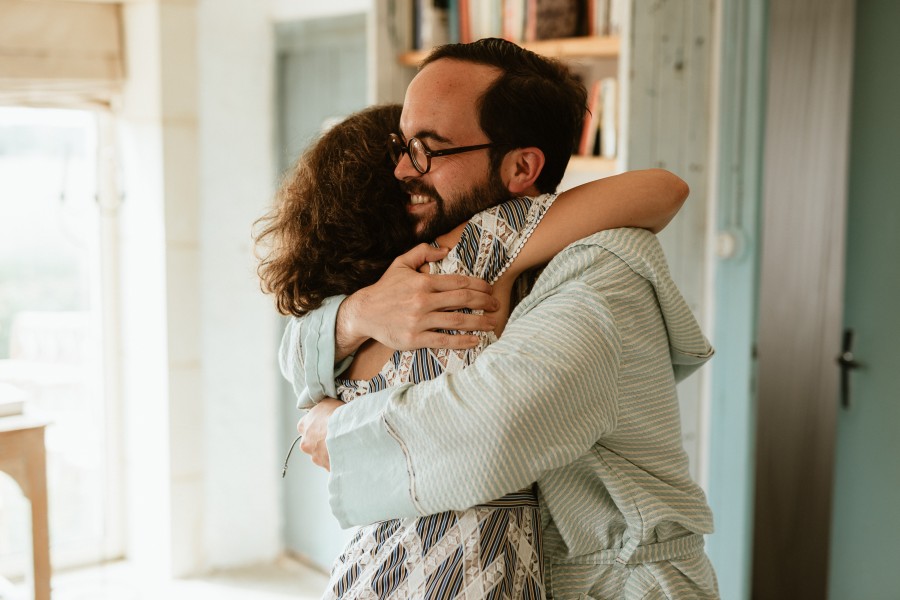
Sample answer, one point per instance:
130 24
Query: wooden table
23 457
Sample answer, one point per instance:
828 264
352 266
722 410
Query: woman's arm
646 199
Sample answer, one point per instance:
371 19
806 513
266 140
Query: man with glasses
579 392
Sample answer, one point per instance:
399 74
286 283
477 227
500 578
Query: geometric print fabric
492 551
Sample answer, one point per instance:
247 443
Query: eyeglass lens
418 154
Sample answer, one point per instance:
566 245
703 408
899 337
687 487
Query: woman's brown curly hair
339 218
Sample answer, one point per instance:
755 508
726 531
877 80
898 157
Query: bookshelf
592 57
563 48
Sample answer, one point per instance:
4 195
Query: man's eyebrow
430 134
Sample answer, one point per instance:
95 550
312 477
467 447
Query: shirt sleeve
535 400
306 355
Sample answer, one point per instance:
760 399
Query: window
52 327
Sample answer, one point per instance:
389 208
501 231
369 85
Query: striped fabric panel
431 529
467 247
391 573
515 212
392 570
525 497
347 580
493 536
446 581
497 259
425 367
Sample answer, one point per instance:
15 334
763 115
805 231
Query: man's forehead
441 101
439 121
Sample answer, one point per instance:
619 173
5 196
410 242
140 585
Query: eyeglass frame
395 141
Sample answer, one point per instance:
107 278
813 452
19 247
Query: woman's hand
314 429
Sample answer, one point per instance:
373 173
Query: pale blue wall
321 75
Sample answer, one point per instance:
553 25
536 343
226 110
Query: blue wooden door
865 560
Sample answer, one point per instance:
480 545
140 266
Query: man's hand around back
404 308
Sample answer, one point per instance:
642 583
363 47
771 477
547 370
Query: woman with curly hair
339 217
339 220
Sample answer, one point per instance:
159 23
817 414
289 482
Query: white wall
201 384
199 338
240 327
145 339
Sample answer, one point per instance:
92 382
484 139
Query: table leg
37 482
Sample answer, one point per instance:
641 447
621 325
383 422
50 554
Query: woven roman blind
60 52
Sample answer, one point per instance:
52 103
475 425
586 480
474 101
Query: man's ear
520 169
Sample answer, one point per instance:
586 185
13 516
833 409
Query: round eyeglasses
420 155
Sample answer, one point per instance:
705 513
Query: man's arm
400 310
404 308
535 400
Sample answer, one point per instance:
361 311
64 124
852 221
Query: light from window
50 335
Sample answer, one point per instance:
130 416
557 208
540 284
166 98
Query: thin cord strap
288 457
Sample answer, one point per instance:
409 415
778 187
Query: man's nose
405 169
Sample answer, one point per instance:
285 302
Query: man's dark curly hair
339 217
536 101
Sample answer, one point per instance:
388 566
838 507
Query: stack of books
437 22
600 135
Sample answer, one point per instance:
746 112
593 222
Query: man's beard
448 215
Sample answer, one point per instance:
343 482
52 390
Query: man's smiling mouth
419 199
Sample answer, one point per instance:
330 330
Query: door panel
801 292
866 515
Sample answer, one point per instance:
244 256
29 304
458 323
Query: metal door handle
847 363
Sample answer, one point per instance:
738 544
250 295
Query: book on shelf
486 19
514 20
615 16
549 19
609 117
599 135
431 23
463 21
591 126
598 17
605 17
453 33
437 22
